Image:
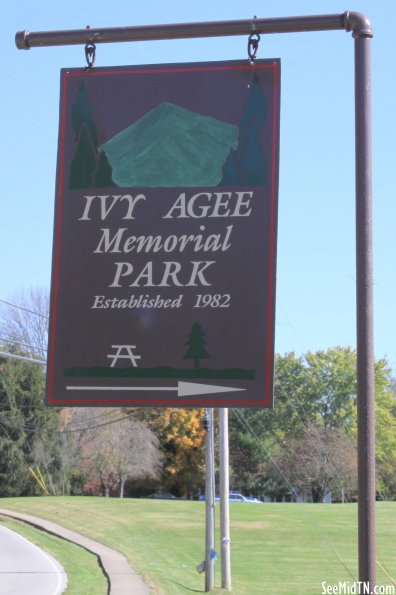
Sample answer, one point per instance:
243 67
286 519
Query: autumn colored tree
196 345
116 448
136 453
324 459
315 391
181 435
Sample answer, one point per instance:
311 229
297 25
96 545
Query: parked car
238 497
235 497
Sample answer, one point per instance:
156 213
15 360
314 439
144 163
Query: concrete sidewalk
122 578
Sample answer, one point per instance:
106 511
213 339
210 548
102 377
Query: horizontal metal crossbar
349 21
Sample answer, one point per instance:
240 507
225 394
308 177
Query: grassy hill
276 549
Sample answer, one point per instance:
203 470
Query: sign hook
253 43
90 53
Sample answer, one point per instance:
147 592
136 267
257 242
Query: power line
314 429
25 309
23 358
24 344
27 426
25 157
247 426
20 177
107 423
25 115
29 87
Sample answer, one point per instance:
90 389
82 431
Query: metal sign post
210 555
361 29
364 296
224 500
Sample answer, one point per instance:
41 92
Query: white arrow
184 389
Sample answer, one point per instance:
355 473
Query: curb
123 580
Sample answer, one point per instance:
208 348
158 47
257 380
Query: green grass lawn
84 575
276 549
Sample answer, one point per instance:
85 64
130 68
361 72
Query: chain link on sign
253 43
90 55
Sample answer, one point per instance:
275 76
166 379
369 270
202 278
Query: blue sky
316 241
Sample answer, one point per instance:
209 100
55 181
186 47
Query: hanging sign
163 280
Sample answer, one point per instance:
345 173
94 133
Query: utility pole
224 501
210 555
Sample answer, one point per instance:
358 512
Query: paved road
26 569
123 580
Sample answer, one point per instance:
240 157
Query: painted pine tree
103 174
247 165
231 173
251 158
89 168
82 113
83 166
196 345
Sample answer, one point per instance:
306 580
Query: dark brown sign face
163 282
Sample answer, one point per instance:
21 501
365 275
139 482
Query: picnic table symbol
124 352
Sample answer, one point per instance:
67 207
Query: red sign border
194 401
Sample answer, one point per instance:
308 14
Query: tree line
306 443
